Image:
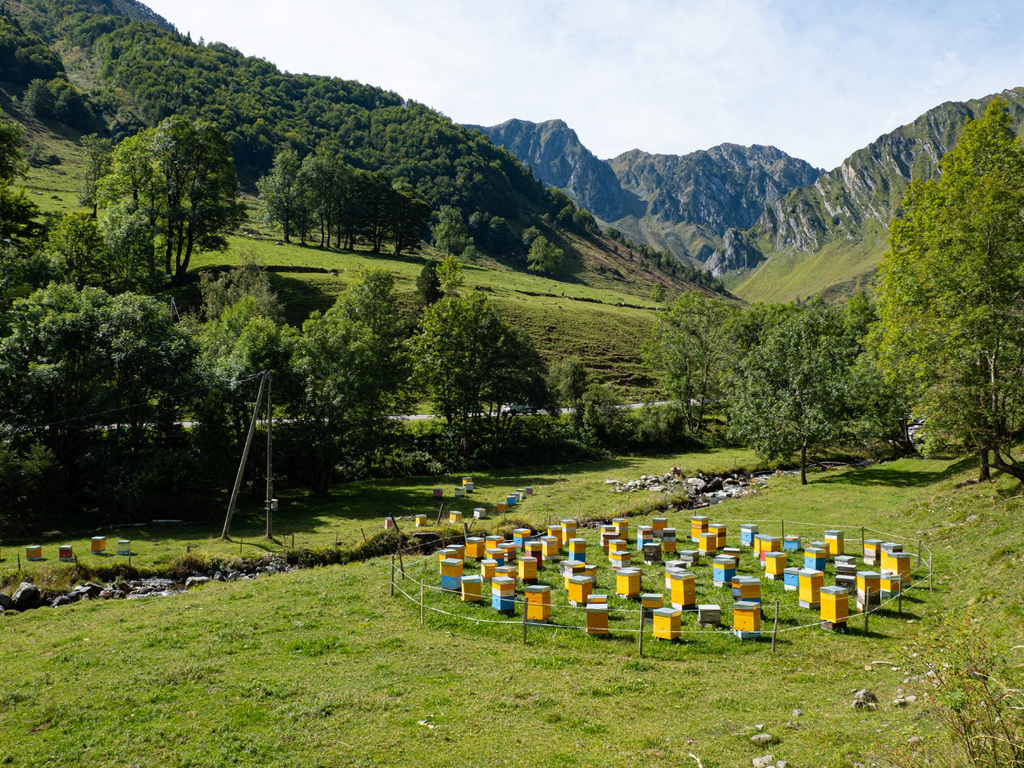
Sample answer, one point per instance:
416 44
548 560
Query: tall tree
450 234
284 195
98 158
952 289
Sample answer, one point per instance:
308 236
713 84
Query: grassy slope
323 668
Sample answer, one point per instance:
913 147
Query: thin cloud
818 80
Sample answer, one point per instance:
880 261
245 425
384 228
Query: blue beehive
815 558
791 579
503 594
451 575
747 534
520 535
724 568
512 499
790 543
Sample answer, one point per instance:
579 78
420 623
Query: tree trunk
984 473
1010 469
803 463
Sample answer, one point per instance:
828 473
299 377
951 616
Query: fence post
918 553
775 625
525 608
421 602
929 571
392 575
863 546
641 633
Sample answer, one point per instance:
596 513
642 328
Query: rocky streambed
700 490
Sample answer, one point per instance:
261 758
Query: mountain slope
833 232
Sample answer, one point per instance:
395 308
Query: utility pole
270 460
241 466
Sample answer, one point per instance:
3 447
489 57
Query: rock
762 738
61 600
218 576
782 764
195 581
798 713
865 699
899 702
6 603
914 740
763 762
791 724
910 699
92 589
715 484
26 596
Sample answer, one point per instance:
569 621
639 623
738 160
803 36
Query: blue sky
816 79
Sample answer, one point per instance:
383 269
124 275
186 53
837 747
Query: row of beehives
66 552
497 555
467 486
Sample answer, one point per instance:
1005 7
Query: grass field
323 667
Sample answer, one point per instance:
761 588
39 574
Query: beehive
847 581
529 490
775 565
98 545
502 506
814 559
747 534
902 563
460 492
622 524
503 594
758 539
538 602
769 544
389 523
746 620
520 535
471 589
568 568
869 588
497 555
494 542
535 549
734 553
644 535
835 607
527 570
723 568
620 560
65 553
550 547
890 584
579 588
511 500
659 524
438 493
652 553
33 552
810 587
689 557
444 554
617 545
709 615
469 487
667 623
708 543
746 588
608 532
698 525
578 550
488 568
590 571
891 546
670 567
475 547
480 513
790 543
597 619
649 601
467 481
521 494
597 599
627 583
124 547
451 575
509 548
791 579
458 551
834 542
872 551
668 540
568 529
683 590
421 521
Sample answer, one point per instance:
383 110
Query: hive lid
502 581
580 579
471 579
629 572
724 560
810 572
596 608
538 588
838 591
868 575
708 607
667 612
746 605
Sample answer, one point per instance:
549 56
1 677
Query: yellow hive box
667 623
617 545
451 567
890 582
698 525
746 617
454 517
487 568
503 586
421 520
458 551
683 589
775 564
98 545
757 545
708 543
502 506
509 572
770 544
527 569
835 605
494 542
627 583
475 547
568 529
868 582
659 524
652 600
597 619
556 531
719 529
471 589
597 599
550 546
835 542
538 602
810 587
579 589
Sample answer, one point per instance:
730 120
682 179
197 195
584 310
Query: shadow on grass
891 477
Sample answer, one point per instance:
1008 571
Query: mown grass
323 667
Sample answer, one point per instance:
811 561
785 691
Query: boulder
26 596
6 603
865 699
61 600
195 581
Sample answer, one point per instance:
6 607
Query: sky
818 79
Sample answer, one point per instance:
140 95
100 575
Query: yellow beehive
535 549
757 545
658 524
568 529
872 551
527 570
502 506
708 543
810 588
608 532
627 583
835 543
597 619
475 547
467 481
572 568
597 599
622 524
471 589
719 529
590 571
509 572
746 619
487 568
454 517
835 606
667 623
651 600
445 553
494 542
698 525
458 551
682 589
550 546
451 567
891 583
579 588
538 602
902 564
556 532
421 521
510 552
621 560
98 545
617 545
775 565
746 588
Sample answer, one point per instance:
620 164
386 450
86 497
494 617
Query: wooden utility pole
270 461
241 466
